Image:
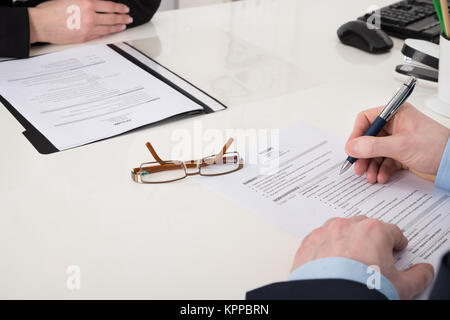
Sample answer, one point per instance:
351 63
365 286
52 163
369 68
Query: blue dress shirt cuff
346 269
443 175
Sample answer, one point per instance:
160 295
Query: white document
85 94
306 190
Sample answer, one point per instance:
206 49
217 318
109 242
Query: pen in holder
440 103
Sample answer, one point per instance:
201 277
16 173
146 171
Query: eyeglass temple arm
189 164
224 150
153 152
216 158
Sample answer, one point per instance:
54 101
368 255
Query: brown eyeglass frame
165 165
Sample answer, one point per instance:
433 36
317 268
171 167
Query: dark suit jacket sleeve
441 289
14 32
141 10
318 289
338 289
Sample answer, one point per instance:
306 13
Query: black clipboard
34 136
44 146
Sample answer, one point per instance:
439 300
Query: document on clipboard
86 94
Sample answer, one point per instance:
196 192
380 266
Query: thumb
415 280
366 147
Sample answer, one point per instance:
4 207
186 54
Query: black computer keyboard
409 19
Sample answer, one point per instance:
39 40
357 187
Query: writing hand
410 140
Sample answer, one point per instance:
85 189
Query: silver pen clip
398 99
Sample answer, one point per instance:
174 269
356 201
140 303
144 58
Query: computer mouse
358 35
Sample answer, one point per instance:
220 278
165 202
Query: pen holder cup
440 103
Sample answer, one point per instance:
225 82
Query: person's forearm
14 32
34 19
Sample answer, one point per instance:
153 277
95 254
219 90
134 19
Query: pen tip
345 166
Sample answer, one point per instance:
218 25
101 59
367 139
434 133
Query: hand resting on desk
48 21
368 241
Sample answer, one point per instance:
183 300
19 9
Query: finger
361 166
387 168
110 7
367 117
397 238
372 170
371 147
100 31
112 19
415 280
363 121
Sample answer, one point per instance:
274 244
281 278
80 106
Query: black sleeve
318 289
441 289
14 32
141 10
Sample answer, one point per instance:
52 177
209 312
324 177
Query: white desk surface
80 207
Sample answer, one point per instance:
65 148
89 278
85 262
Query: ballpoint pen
386 114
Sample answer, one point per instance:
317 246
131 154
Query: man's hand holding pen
411 140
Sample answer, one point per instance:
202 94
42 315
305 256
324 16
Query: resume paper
306 189
85 94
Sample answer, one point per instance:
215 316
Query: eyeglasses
161 171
